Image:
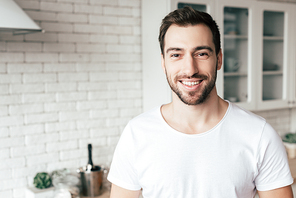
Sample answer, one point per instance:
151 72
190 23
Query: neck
194 119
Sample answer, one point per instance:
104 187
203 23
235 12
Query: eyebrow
195 49
174 49
204 47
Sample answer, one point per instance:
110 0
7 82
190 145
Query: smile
190 83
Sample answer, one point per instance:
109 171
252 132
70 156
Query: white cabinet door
235 82
274 63
258 53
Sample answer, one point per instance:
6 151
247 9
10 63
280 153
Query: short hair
188 16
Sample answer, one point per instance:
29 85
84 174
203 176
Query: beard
193 97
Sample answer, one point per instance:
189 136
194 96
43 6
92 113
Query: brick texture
77 83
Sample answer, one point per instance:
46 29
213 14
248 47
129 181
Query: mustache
200 76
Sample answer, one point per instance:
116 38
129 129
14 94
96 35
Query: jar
66 187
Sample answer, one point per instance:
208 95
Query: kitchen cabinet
276 56
236 78
258 45
257 37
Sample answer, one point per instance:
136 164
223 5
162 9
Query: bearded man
199 145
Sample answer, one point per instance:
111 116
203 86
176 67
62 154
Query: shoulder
253 127
147 121
148 117
251 122
243 112
245 117
142 129
241 124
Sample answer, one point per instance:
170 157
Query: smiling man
196 84
199 145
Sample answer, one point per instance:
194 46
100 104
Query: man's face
190 62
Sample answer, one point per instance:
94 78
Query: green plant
42 180
290 138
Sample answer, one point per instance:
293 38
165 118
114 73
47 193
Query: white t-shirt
241 153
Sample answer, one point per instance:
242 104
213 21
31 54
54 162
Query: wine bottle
90 164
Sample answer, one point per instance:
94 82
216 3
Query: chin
191 101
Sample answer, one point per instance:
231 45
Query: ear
219 59
162 62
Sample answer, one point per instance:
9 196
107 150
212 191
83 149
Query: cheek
212 65
172 69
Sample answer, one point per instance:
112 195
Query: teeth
190 83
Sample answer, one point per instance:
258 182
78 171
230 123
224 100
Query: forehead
188 36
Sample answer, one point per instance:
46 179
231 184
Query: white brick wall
78 83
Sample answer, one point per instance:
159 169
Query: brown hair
188 16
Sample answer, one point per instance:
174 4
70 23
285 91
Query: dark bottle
90 164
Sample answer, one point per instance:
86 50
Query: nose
190 66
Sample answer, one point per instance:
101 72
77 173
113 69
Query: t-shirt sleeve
273 167
122 172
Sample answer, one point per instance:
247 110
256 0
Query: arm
118 192
277 193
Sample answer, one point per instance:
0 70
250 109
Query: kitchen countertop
105 194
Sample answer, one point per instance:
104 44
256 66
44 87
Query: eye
202 55
175 55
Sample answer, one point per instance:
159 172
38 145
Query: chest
203 168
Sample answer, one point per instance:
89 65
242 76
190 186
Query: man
198 145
